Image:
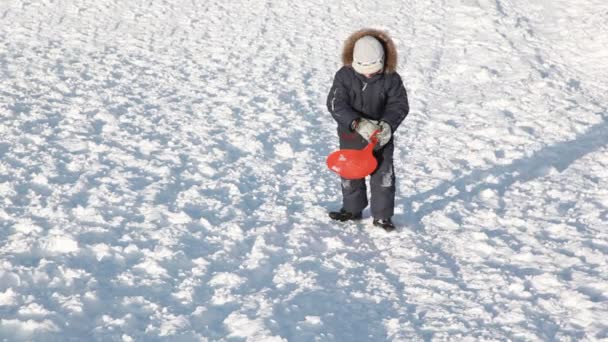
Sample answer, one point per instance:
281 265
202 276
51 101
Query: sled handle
372 142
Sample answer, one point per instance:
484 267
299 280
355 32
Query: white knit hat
368 55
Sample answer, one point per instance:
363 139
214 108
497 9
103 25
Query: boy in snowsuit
368 95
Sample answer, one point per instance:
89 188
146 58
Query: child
367 94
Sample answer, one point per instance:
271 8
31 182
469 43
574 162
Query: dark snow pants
382 181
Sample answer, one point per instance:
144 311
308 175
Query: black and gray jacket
382 97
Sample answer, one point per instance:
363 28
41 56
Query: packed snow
162 173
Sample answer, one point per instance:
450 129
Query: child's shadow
559 156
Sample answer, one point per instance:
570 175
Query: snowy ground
162 173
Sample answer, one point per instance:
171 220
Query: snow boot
385 224
344 215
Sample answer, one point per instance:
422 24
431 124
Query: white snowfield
163 178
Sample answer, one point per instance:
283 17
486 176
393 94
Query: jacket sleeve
397 106
338 103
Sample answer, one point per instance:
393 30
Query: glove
386 133
366 128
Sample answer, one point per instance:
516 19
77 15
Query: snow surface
162 173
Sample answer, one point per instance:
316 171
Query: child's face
371 75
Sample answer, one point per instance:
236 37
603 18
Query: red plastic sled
354 164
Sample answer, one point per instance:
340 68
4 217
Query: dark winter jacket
382 97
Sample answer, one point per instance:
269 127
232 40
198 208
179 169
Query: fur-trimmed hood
390 51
